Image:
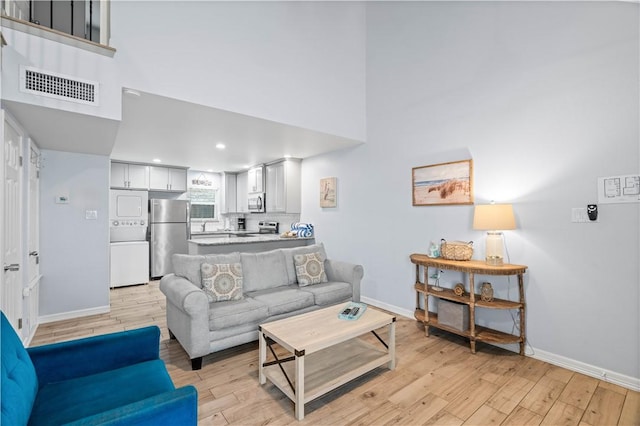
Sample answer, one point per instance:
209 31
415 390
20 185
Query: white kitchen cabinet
167 179
228 193
283 187
241 194
255 181
129 176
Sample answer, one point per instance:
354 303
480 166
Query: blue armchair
113 379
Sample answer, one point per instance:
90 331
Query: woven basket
456 250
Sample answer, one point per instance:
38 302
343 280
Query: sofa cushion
329 293
236 312
64 402
310 268
222 281
188 265
19 383
283 299
288 258
264 270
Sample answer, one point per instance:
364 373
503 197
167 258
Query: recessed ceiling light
157 160
220 146
287 156
246 166
210 170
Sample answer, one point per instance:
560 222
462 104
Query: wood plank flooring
437 380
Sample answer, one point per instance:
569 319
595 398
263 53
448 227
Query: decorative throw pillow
222 281
310 268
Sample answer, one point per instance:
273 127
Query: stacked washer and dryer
128 212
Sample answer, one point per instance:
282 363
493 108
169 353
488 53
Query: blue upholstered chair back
19 381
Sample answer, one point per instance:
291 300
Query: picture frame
443 184
328 193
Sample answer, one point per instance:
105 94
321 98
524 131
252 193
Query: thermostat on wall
62 199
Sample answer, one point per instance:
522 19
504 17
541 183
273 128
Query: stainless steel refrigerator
169 231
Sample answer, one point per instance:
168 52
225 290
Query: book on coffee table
352 311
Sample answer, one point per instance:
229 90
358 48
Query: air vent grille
59 86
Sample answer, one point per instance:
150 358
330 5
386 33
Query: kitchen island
221 244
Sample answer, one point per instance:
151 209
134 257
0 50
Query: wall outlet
581 215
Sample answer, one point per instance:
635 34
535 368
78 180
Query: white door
11 291
32 292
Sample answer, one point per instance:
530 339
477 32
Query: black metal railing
80 18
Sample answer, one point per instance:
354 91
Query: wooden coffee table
326 352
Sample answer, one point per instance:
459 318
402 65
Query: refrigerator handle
188 220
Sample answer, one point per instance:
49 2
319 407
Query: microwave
256 203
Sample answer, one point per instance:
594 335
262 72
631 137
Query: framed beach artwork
328 197
445 183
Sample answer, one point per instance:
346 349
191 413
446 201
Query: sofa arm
346 272
178 407
91 355
183 294
187 314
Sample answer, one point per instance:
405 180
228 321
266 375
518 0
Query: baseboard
43 319
609 376
391 308
619 379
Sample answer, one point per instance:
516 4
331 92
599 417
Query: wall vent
58 86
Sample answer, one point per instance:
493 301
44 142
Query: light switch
91 214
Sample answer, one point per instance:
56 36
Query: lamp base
494 260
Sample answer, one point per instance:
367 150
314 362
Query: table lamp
494 218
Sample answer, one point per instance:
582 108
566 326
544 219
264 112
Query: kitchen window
203 203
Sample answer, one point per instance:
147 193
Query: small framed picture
328 196
445 183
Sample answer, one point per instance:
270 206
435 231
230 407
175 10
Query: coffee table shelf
330 368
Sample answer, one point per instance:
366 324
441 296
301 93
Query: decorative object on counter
328 196
289 234
456 250
494 218
486 292
434 250
458 290
302 229
445 183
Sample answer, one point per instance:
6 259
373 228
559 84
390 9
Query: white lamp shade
494 217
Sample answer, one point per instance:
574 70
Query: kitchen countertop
266 238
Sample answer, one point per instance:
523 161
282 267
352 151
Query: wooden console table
471 267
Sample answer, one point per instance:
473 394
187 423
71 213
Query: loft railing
81 18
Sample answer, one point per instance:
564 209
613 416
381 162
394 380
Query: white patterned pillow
310 268
222 281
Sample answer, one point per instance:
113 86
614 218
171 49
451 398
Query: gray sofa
270 290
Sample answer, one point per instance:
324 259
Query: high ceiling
176 132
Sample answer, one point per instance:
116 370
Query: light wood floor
436 381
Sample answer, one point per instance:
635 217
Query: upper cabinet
283 187
167 179
228 194
255 179
241 195
129 176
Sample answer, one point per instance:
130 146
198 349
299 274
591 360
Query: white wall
299 63
59 59
544 97
74 252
